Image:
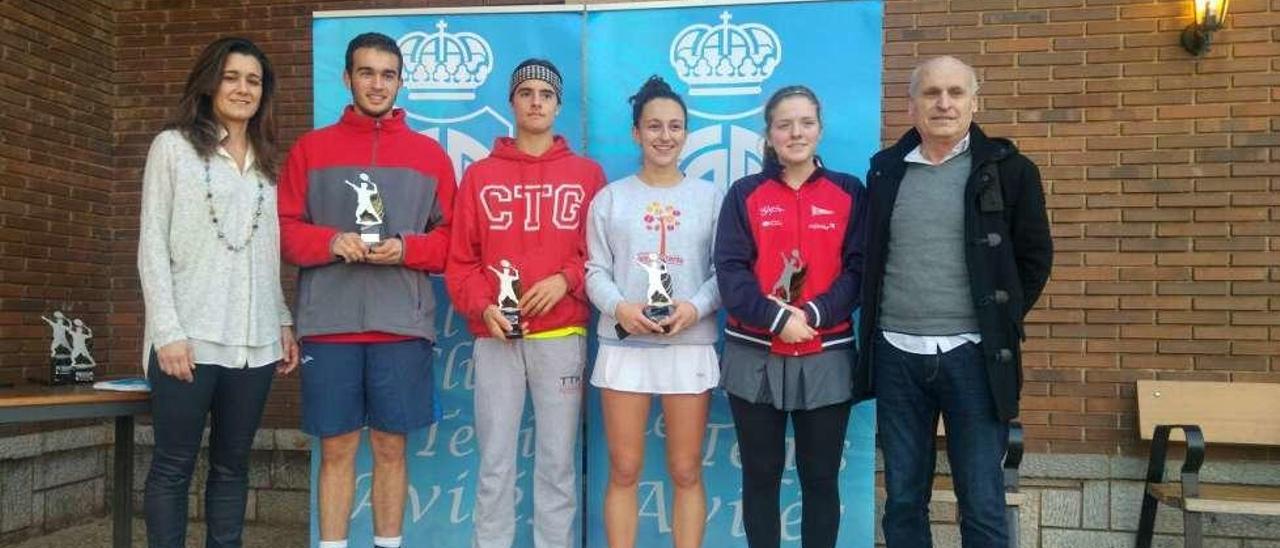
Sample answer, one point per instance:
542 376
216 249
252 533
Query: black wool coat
1008 253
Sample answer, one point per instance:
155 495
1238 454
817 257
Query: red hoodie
362 303
530 210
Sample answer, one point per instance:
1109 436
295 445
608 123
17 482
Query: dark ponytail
771 155
654 88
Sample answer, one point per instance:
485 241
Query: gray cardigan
195 288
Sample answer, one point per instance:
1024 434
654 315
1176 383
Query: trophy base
370 238
512 315
659 314
61 371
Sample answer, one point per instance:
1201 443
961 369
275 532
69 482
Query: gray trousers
552 370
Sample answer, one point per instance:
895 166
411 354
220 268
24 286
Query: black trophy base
61 371
659 314
655 314
84 375
512 316
371 237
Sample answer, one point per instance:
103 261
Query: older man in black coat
958 250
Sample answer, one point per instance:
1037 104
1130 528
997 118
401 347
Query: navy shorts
385 386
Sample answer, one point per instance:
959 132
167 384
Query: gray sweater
926 280
630 221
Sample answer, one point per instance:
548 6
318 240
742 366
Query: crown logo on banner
725 59
444 66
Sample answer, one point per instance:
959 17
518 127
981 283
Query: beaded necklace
213 214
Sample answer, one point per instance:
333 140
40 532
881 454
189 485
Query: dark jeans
911 389
819 434
234 399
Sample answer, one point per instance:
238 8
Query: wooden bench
1196 413
44 403
944 488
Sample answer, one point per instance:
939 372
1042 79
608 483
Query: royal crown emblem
725 59
444 66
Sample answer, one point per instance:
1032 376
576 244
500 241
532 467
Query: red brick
1155 331
1194 347
1083 14
1089 100
1055 58
1230 303
1120 84
1193 317
1231 125
1015 17
1093 390
1139 27
1230 333
1158 362
1230 273
1050 30
1122 172
1063 72
1121 114
983 32
1121 346
1157 69
1157 273
1212 376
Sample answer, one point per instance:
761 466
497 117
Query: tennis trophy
791 281
658 304
69 351
509 296
370 211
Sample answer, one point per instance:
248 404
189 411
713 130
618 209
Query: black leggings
819 439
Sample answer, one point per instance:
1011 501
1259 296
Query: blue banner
725 60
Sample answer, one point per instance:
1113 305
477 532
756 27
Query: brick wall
1159 167
56 110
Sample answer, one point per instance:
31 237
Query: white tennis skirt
674 369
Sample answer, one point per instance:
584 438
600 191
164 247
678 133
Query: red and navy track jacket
761 223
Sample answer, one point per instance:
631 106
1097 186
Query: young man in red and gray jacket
365 310
521 212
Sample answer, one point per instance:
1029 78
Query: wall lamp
1210 15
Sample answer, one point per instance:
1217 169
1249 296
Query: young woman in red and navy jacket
788 258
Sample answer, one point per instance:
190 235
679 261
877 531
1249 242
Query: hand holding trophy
787 292
790 282
658 302
370 211
509 297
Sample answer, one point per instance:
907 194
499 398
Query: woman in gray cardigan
217 327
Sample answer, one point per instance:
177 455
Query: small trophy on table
791 281
509 296
658 302
69 357
370 213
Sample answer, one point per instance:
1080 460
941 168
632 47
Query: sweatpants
552 370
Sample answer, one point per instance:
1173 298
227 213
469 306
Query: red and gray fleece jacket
762 224
362 302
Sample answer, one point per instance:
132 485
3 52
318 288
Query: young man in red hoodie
364 211
522 211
